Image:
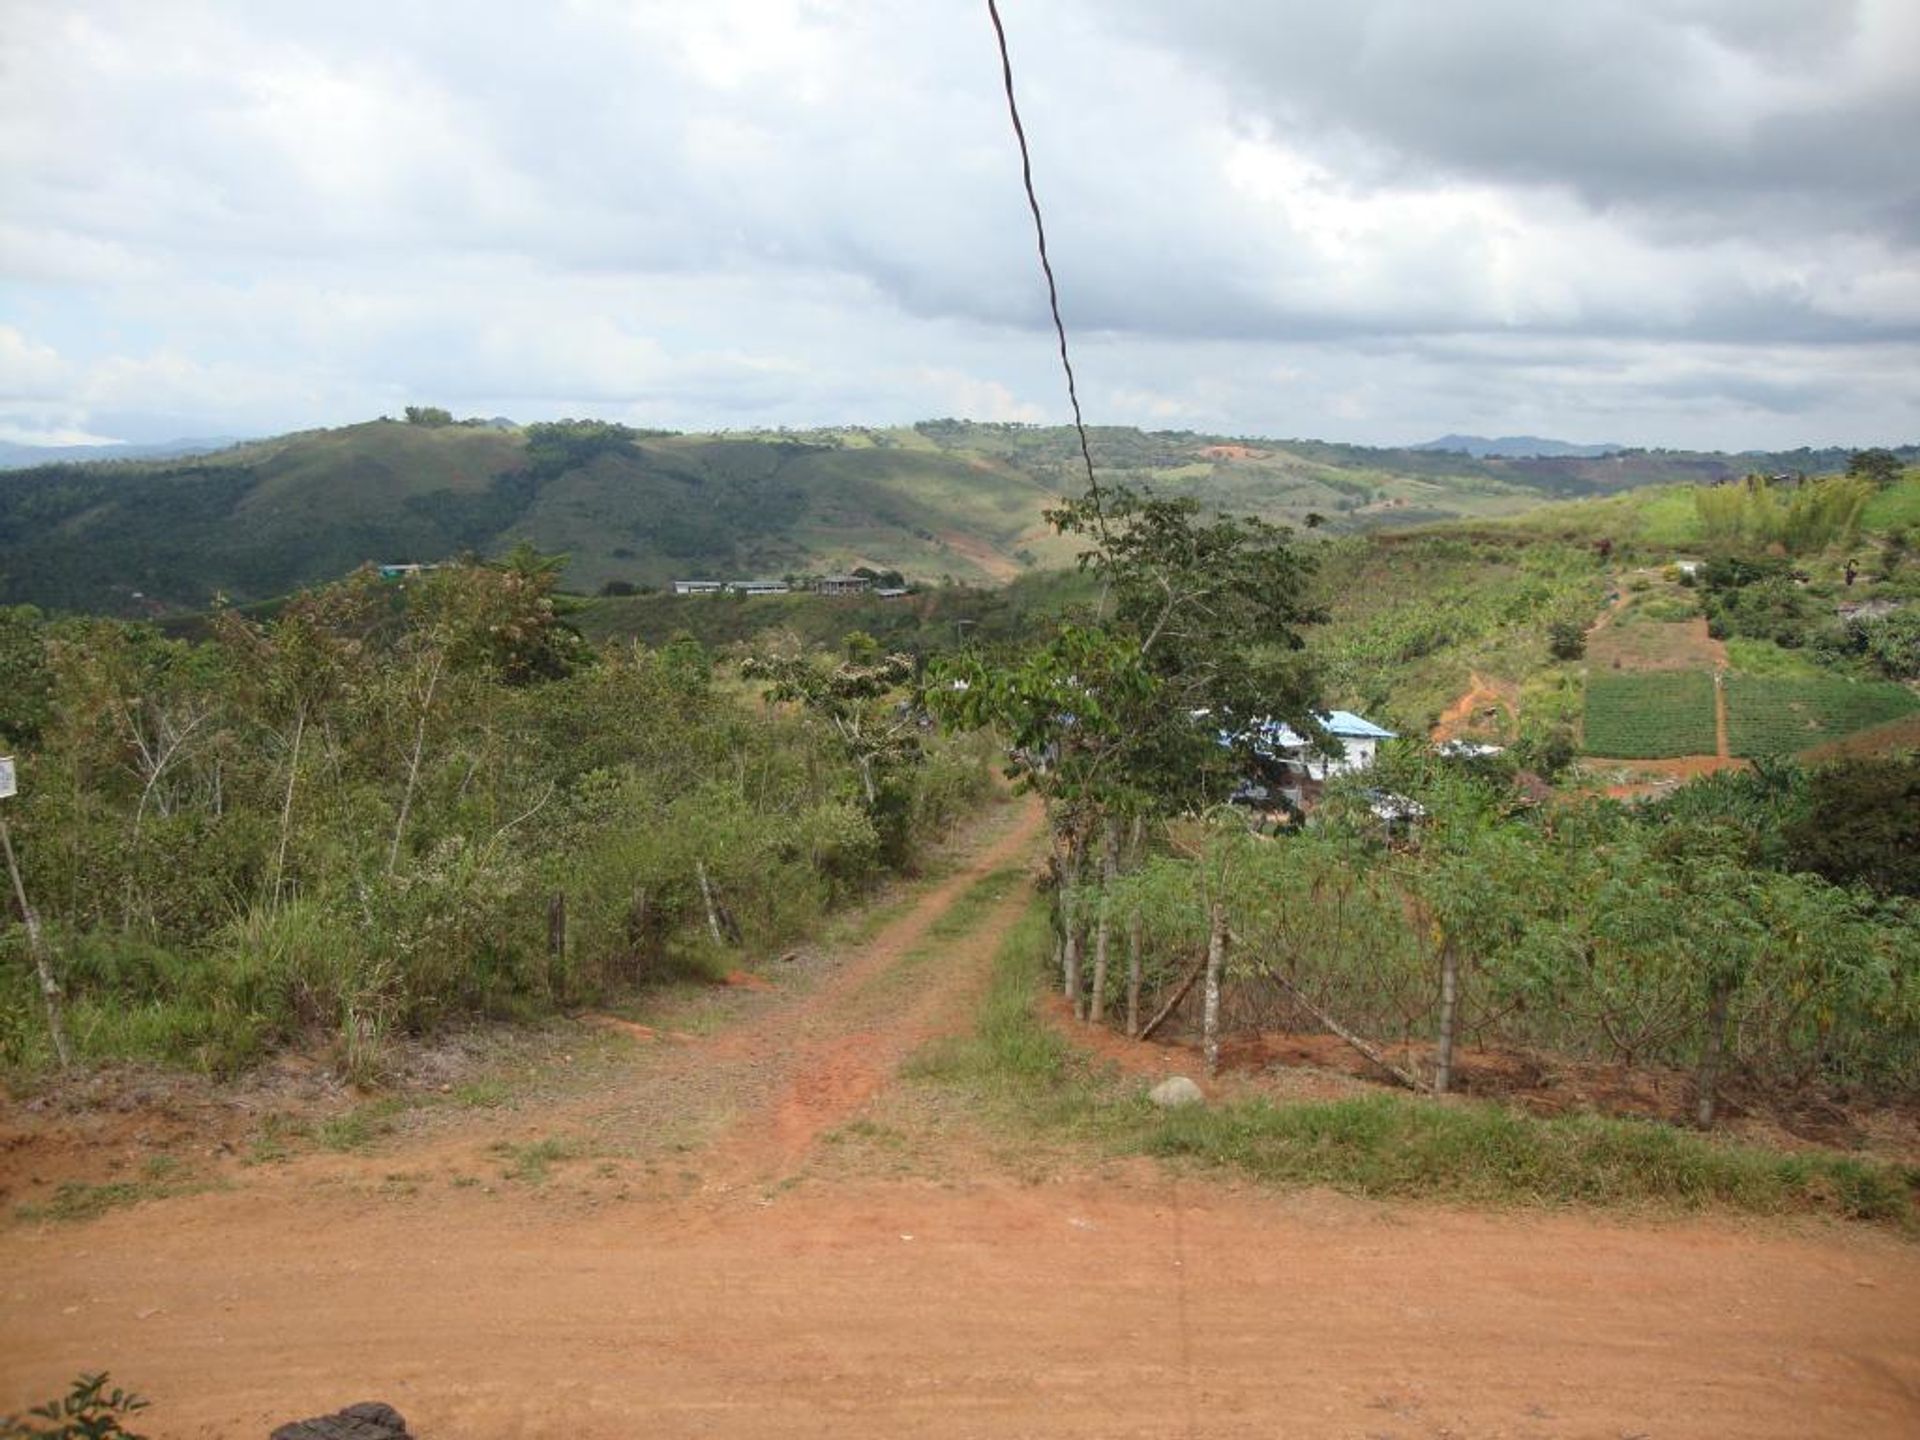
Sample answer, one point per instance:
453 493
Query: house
698 587
1293 770
404 571
892 592
842 585
758 587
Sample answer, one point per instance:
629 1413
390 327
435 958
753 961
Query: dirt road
705 1279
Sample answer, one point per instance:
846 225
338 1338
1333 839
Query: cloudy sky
1678 222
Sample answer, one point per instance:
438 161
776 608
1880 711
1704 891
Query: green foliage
1862 825
1819 513
430 417
1566 640
1769 716
348 823
88 1411
1650 716
1878 468
1018 1066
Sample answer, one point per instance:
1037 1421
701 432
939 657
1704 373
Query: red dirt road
717 1286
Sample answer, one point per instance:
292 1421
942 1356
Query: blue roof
1346 723
1341 724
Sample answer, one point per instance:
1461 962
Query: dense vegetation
1694 934
944 498
390 807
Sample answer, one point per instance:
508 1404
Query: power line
1046 265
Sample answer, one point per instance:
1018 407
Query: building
698 587
1292 770
758 587
842 585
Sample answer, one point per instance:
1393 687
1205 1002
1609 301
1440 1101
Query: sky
1691 223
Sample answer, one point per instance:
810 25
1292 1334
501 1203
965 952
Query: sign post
36 942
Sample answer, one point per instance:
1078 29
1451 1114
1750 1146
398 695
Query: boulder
369 1420
1175 1091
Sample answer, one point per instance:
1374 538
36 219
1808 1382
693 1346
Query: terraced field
1659 715
1774 716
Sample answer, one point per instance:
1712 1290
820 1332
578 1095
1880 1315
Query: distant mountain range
1518 447
14 456
944 498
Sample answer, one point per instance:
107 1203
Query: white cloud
799 211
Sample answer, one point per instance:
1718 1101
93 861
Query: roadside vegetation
393 807
1026 1074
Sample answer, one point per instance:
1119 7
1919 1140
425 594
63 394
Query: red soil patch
1478 710
1231 452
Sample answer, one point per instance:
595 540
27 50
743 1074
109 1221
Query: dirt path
683 1277
1481 696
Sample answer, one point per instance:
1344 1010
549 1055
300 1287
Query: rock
369 1420
1175 1091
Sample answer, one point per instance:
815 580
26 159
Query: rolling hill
942 498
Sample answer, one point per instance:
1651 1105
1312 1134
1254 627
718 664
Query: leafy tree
1862 825
430 416
858 698
1877 466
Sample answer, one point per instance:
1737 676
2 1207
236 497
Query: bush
1566 640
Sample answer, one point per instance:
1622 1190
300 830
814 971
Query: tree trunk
1136 924
1070 967
413 770
1449 1008
1713 1050
706 894
1210 995
1109 867
286 807
42 965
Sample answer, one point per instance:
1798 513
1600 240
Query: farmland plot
1654 716
1772 716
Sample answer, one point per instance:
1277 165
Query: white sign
8 785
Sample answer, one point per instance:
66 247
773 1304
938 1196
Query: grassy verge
1021 1070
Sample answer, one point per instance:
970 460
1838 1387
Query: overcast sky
1678 222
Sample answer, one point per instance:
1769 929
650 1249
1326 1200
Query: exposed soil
989 561
1485 710
677 1261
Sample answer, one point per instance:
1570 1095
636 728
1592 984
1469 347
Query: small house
758 587
1294 770
698 587
842 585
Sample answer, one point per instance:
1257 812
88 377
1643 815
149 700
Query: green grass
1898 504
1747 656
1023 1072
1778 716
531 1163
79 1200
1653 716
361 1126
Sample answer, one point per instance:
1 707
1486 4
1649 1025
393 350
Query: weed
79 1200
482 1094
532 1162
360 1126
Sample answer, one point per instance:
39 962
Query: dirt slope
695 1278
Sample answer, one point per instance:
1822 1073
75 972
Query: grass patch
533 1162
361 1126
1389 1145
1780 716
1655 716
482 1094
972 906
1747 656
79 1200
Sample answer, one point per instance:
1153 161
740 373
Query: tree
1150 707
857 698
430 416
1879 466
1862 825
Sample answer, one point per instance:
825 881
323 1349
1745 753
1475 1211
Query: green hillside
945 498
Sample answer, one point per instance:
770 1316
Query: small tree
1878 466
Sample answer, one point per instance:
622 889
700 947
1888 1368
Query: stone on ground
1175 1091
